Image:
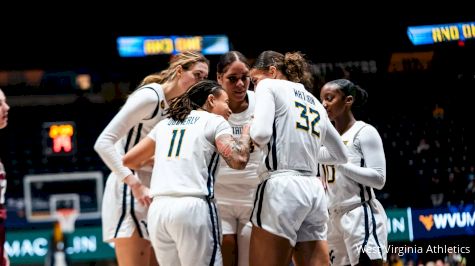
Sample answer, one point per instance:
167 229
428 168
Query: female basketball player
235 189
123 220
290 124
357 232
183 219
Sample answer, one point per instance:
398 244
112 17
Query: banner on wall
430 34
399 224
430 223
31 246
140 46
85 244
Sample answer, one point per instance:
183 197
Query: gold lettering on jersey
304 96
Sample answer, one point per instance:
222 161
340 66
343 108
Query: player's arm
333 151
374 172
139 106
140 154
264 114
135 158
235 151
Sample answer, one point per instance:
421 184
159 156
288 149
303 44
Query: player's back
185 156
300 123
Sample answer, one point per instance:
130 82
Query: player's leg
230 249
311 253
133 250
153 258
268 249
229 225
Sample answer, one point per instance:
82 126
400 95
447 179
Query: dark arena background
65 71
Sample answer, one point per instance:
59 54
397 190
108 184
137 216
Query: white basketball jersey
227 175
140 131
142 111
238 186
185 155
343 191
300 122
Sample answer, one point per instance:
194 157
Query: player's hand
142 194
246 129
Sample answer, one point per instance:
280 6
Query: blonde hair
186 60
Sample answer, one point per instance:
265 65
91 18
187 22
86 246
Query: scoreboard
59 138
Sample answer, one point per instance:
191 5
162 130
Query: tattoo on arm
234 151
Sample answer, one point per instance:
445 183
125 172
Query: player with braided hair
183 218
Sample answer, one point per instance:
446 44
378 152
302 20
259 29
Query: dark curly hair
195 97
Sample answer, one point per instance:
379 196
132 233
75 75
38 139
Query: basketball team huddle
211 173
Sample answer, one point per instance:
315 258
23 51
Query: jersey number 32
308 119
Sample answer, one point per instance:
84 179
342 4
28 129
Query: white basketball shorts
292 206
355 230
122 214
185 231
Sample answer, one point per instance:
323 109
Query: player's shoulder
148 92
153 86
366 129
216 117
271 83
207 115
